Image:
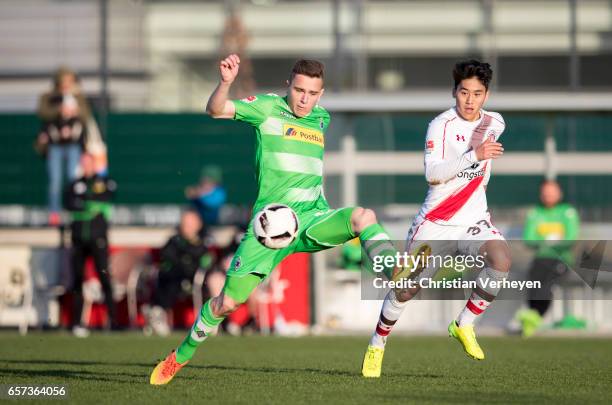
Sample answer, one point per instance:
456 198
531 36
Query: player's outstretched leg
393 306
498 262
165 370
235 292
391 310
376 242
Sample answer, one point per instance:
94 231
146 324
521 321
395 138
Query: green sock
200 330
376 242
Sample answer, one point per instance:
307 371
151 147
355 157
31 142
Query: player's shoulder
442 119
445 116
568 210
321 111
322 115
496 118
261 98
534 212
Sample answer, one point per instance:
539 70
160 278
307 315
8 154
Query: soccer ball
276 226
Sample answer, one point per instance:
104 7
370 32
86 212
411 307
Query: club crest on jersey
249 99
309 135
321 124
460 138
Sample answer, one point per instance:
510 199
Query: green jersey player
551 230
290 139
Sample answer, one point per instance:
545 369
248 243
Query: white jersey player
460 147
456 198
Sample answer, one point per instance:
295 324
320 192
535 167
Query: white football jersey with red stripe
456 178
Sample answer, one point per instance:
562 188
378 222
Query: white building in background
162 54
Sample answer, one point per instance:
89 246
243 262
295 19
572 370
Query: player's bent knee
224 305
229 305
498 256
362 218
406 294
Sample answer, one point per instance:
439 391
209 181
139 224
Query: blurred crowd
191 262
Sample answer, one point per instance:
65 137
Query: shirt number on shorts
475 230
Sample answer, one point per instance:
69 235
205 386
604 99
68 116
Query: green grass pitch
114 368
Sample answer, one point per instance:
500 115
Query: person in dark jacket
181 257
88 199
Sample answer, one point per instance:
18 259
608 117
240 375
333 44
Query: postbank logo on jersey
297 133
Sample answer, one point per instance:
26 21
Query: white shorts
453 240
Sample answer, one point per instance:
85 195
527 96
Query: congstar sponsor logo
468 174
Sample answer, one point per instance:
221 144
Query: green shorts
252 263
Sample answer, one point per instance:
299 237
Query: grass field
114 368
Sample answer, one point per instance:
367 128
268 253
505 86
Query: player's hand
228 68
489 149
43 138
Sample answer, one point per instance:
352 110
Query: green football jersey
289 152
552 231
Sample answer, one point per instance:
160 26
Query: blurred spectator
184 253
551 230
209 195
65 114
89 201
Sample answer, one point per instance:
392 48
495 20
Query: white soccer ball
276 226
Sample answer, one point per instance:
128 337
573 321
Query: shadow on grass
477 397
255 369
123 378
344 373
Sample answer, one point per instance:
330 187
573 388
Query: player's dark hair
308 67
473 68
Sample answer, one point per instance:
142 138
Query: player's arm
530 233
438 167
219 105
500 127
439 170
487 176
571 222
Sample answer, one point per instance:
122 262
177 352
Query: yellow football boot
465 335
372 362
